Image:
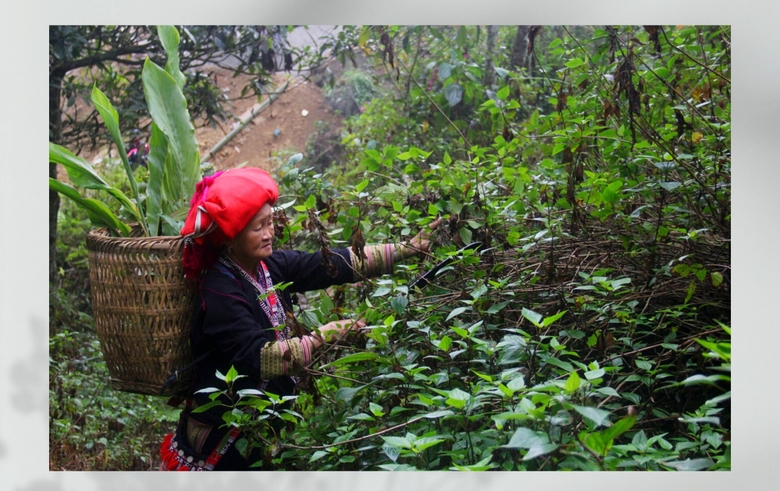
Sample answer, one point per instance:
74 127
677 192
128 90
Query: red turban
223 204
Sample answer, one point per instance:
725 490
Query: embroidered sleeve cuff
378 260
286 357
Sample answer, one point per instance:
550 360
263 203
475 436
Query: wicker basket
142 310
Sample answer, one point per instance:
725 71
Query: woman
240 320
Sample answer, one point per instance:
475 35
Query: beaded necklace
266 298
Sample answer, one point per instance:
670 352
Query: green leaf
572 383
554 43
376 409
111 120
397 442
599 416
558 148
453 93
689 465
538 450
481 466
717 278
438 414
160 189
503 93
445 70
169 38
496 308
457 311
168 108
318 455
516 384
445 343
391 452
399 303
611 194
294 159
670 186
644 364
82 175
723 350
423 443
574 63
640 440
536 319
347 393
553 318
619 428
231 375
690 291
458 398
206 407
527 438
99 214
465 234
354 358
596 442
381 291
361 185
594 374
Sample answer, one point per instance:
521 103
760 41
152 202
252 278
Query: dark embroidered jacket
232 328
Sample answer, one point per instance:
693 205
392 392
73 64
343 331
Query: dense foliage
591 328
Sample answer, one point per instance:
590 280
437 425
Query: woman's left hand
422 241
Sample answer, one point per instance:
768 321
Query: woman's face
253 244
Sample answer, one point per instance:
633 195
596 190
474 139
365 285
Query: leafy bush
569 340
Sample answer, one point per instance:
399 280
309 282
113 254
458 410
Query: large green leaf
161 190
347 393
538 450
453 93
598 416
527 438
354 358
97 211
111 120
169 37
82 175
168 107
690 464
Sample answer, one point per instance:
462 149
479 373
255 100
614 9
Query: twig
380 432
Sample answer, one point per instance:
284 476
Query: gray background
23 219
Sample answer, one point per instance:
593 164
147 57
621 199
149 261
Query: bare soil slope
256 143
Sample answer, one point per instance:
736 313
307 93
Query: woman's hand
422 241
333 331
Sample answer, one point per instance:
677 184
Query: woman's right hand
333 331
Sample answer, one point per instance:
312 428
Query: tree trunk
489 77
55 135
519 48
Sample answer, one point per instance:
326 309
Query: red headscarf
223 204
